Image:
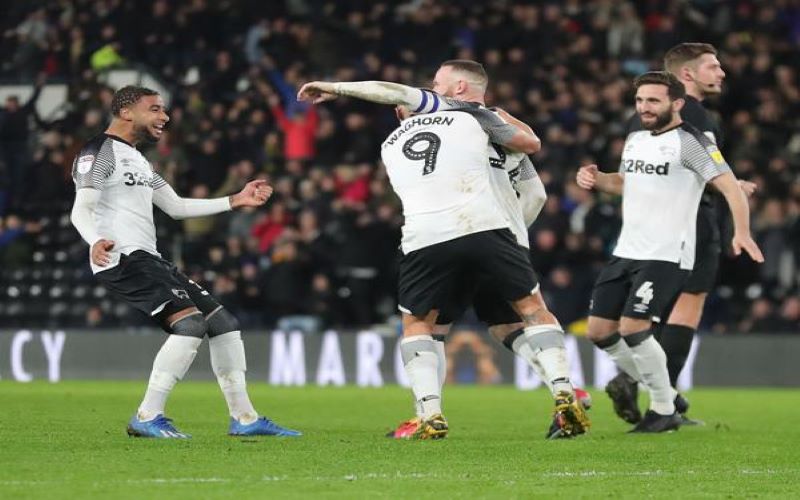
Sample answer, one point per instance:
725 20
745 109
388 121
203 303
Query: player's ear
126 114
677 104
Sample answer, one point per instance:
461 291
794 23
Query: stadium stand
324 247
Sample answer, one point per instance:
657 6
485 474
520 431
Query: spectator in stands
234 68
299 130
15 126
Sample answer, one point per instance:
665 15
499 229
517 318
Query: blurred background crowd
322 252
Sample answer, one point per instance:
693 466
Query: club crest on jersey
85 163
641 167
667 150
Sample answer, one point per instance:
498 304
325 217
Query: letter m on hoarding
287 360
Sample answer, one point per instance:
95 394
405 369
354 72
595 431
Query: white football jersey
437 165
508 168
665 175
126 180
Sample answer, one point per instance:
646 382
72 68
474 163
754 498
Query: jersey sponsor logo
642 167
423 120
138 179
85 163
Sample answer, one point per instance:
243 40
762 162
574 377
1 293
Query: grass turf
68 440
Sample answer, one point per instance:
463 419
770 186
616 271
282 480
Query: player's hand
402 112
747 244
316 92
100 252
748 188
587 176
254 194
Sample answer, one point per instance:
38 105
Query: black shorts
432 276
641 289
489 309
706 262
155 286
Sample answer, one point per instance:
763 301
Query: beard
661 121
142 134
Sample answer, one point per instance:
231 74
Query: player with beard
116 189
663 172
697 67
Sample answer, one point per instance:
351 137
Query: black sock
677 342
657 329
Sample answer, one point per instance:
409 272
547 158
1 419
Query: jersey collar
118 138
667 130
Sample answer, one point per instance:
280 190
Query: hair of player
472 68
685 53
675 88
128 96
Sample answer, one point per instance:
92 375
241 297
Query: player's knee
599 329
192 325
687 310
634 326
222 321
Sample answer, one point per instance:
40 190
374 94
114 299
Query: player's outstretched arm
372 91
590 177
254 194
727 184
82 217
416 100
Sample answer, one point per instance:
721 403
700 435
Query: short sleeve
701 155
94 164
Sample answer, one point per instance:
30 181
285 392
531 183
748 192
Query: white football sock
442 374
622 355
171 364
537 368
651 362
522 348
229 364
549 352
442 369
422 366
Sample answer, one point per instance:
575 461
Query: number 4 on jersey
645 292
428 154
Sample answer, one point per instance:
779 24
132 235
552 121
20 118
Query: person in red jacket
270 227
298 130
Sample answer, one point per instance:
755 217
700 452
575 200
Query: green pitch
68 441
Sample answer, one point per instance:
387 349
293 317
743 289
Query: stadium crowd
323 250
